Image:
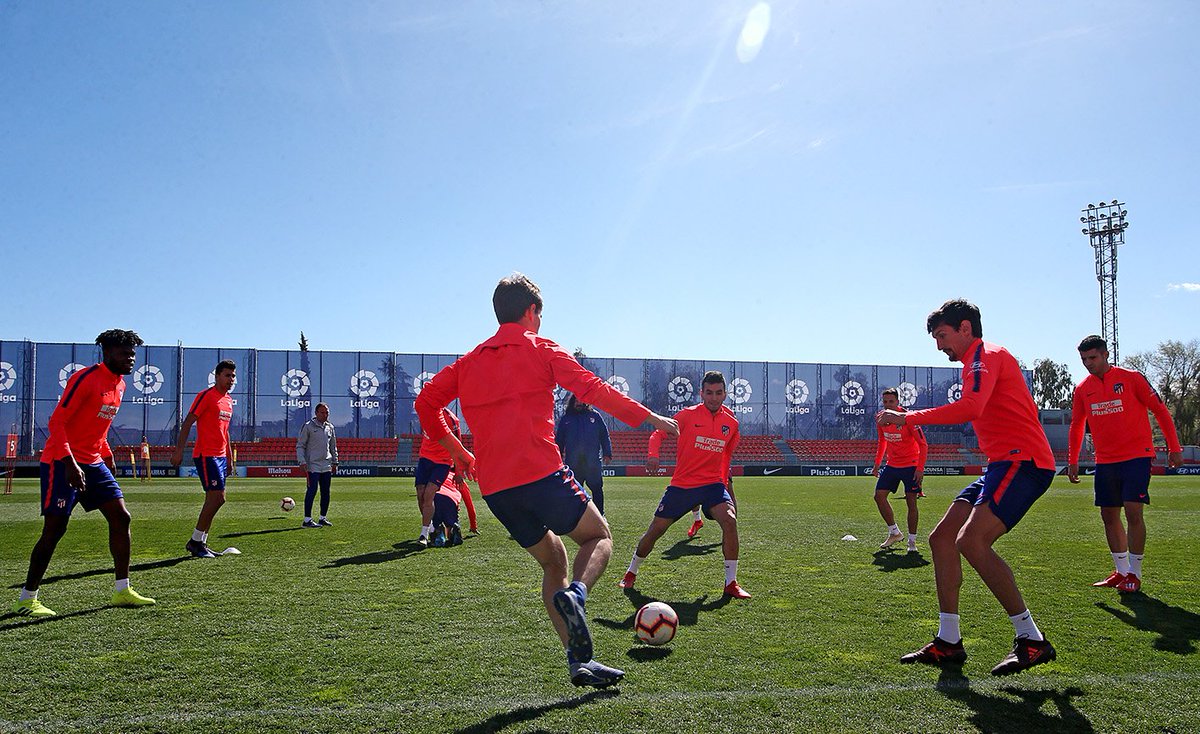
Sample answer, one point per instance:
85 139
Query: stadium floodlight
1104 241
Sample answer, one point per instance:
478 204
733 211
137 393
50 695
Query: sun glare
758 22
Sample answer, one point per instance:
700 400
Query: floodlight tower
1105 225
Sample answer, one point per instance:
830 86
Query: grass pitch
353 629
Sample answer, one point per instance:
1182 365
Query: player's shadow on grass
1177 628
399 550
686 547
148 566
996 713
529 713
889 560
261 532
14 621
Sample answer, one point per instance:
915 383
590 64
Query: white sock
122 584
198 535
322 517
26 594
730 571
948 628
1121 561
308 518
427 530
893 529
696 517
1025 627
1135 564
635 563
912 538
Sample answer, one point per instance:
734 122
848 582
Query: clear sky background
231 173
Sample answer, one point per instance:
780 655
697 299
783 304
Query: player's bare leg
425 493
595 546
658 526
947 647
1114 529
53 529
551 555
910 499
118 535
885 511
212 502
726 517
1137 547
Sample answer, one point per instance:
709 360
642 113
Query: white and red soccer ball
656 623
287 504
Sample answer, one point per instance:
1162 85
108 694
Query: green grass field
351 628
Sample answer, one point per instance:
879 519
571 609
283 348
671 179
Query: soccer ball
287 504
655 623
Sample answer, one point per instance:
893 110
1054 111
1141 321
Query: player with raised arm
1113 402
906 449
211 411
996 400
708 435
77 468
505 387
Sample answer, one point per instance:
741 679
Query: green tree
1052 384
1173 367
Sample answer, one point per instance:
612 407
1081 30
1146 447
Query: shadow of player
260 532
399 550
147 566
997 713
15 621
686 547
889 560
529 713
1177 628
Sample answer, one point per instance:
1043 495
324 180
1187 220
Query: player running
1020 468
211 411
77 467
708 434
906 449
1113 401
505 387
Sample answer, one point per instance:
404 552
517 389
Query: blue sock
579 588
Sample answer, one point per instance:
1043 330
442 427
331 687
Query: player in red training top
77 467
906 448
505 387
708 434
1020 469
211 411
446 530
433 466
1113 402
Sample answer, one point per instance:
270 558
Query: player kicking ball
996 400
708 434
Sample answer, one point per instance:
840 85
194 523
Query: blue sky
228 174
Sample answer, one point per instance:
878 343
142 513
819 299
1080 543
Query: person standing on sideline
145 458
77 467
906 448
708 436
211 411
1112 402
996 400
583 439
317 454
505 387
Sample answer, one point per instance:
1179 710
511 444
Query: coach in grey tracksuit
316 453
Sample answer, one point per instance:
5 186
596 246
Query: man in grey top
316 452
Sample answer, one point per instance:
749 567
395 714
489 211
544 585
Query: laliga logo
954 394
7 376
620 383
418 382
364 383
741 390
148 379
797 394
294 383
852 393
65 373
908 394
680 390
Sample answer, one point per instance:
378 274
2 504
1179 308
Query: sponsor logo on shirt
225 415
1107 407
108 412
1119 388
708 443
979 368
